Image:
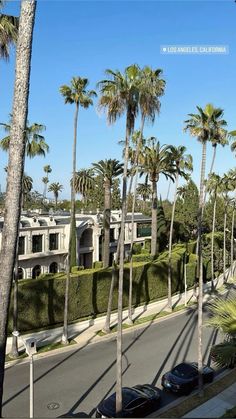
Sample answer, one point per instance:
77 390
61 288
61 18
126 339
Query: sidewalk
217 406
85 332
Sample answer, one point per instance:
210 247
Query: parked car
138 401
184 377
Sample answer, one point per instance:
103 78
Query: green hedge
41 301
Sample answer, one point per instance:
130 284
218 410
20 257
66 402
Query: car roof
129 394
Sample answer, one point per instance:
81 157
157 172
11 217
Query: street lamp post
30 347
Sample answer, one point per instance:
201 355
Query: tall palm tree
223 318
35 141
219 135
225 188
76 94
156 161
183 165
55 188
27 185
144 190
232 180
151 88
35 145
109 170
15 170
84 182
119 94
8 33
213 185
47 169
201 125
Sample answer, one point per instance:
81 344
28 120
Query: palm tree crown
77 92
8 33
35 142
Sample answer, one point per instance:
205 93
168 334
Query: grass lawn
193 401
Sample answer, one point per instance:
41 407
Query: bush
98 264
41 301
142 257
77 268
137 248
147 245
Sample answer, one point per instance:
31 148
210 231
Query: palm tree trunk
168 190
170 243
14 347
224 251
136 159
71 260
154 218
121 273
232 242
200 269
106 223
15 171
211 170
212 245
107 325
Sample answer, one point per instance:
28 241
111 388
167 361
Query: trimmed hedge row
41 301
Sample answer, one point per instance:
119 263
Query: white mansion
44 239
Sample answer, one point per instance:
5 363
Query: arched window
53 268
20 273
36 271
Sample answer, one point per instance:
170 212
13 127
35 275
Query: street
73 383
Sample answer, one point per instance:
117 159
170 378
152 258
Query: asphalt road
73 383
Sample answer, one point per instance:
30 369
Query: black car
184 377
138 401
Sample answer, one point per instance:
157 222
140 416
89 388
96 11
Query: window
53 268
20 273
21 248
143 230
53 241
36 271
37 243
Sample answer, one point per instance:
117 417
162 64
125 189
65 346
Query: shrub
147 245
77 268
98 264
41 301
137 248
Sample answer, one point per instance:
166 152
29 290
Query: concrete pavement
217 406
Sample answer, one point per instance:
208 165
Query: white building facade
44 240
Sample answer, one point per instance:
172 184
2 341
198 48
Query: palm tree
201 125
156 161
84 182
47 169
225 188
223 318
55 188
35 145
119 95
78 95
109 170
232 180
151 87
8 33
27 185
144 190
213 185
183 164
15 171
219 135
35 142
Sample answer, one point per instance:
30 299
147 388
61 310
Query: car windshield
145 391
183 371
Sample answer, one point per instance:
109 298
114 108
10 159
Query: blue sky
85 37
